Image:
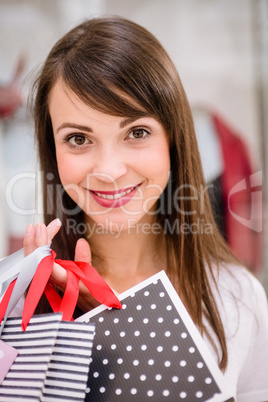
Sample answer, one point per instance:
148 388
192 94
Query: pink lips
115 202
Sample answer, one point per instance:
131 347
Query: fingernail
55 222
28 229
38 229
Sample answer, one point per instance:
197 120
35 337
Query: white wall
29 28
211 43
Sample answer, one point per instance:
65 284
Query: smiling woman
121 166
112 158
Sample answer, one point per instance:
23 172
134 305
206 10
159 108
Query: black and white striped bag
53 359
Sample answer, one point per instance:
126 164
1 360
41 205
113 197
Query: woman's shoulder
241 298
237 281
242 304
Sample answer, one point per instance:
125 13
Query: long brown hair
113 65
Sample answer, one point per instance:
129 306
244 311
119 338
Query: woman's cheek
67 169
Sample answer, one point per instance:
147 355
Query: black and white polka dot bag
151 350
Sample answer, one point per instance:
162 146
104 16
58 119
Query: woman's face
114 168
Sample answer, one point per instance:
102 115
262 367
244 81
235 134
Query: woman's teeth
115 196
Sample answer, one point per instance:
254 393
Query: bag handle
76 271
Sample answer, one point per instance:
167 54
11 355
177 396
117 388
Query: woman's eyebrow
77 126
127 121
123 123
130 120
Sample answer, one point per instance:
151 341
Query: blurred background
220 48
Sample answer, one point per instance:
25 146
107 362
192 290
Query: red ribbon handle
76 271
5 299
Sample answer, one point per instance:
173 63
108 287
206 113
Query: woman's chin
113 226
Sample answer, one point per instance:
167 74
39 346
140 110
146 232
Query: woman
121 169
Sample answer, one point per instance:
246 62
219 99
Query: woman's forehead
132 107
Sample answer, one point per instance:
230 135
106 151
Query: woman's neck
126 258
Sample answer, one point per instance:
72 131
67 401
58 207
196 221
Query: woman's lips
114 199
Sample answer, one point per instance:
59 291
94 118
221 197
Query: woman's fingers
52 229
39 235
34 237
59 276
29 240
82 251
85 301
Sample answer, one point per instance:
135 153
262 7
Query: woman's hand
40 235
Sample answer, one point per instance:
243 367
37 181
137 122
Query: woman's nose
109 166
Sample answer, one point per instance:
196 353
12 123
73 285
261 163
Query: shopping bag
48 355
18 272
52 362
151 350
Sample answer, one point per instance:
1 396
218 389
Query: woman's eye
77 140
138 134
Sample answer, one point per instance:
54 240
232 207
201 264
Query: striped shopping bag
52 362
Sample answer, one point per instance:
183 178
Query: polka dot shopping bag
150 350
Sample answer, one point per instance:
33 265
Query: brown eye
138 134
77 140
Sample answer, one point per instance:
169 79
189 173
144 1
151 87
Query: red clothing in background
242 196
